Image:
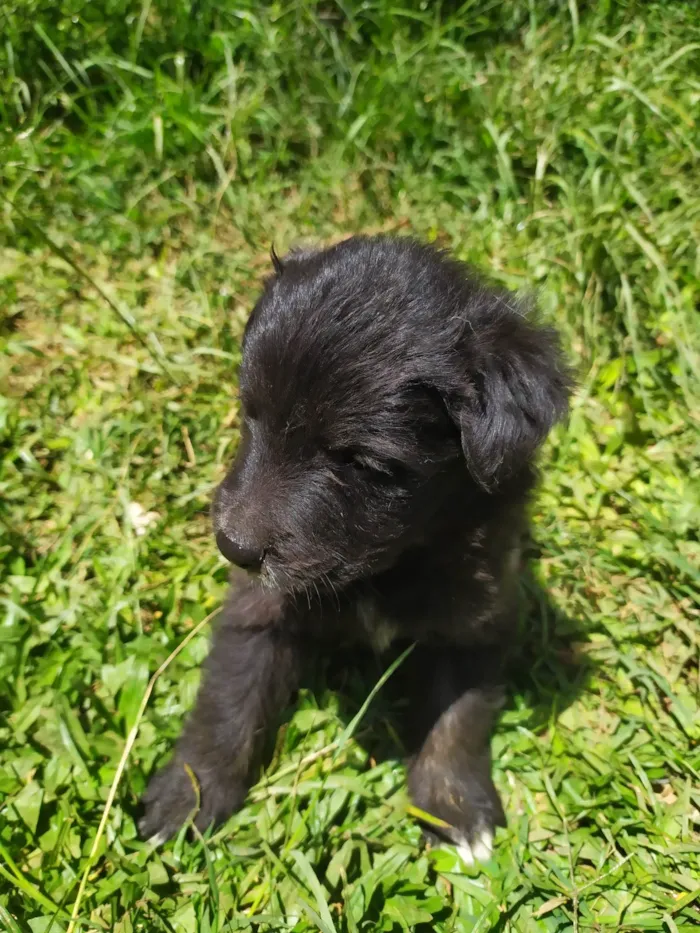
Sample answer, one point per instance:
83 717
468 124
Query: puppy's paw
469 806
171 799
478 848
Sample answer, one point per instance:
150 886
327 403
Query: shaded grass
554 144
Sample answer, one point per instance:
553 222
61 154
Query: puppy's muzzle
240 553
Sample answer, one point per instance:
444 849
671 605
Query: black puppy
392 405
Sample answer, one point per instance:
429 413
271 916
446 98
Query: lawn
150 154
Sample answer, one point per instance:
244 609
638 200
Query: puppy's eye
361 462
250 412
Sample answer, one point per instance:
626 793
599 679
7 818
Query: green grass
161 150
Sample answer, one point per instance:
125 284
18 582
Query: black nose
244 556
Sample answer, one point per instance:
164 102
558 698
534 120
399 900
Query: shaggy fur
392 405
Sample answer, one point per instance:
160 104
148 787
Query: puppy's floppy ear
516 388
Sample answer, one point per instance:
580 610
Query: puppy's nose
249 558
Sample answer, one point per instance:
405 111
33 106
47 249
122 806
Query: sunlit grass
161 151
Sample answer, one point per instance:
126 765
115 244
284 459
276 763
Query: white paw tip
479 850
465 853
157 839
483 848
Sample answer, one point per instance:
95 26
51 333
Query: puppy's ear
518 386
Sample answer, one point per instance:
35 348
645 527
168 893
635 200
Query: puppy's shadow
547 669
549 666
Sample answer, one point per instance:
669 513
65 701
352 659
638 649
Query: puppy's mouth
296 574
319 579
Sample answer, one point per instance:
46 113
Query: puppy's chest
467 612
375 629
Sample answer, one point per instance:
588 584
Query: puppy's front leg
249 676
457 699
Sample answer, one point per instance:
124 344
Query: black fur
392 405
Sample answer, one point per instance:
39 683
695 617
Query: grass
150 155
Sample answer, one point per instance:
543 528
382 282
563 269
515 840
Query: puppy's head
380 380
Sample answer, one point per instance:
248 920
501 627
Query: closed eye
361 461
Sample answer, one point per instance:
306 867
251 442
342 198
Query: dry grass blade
128 745
125 316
